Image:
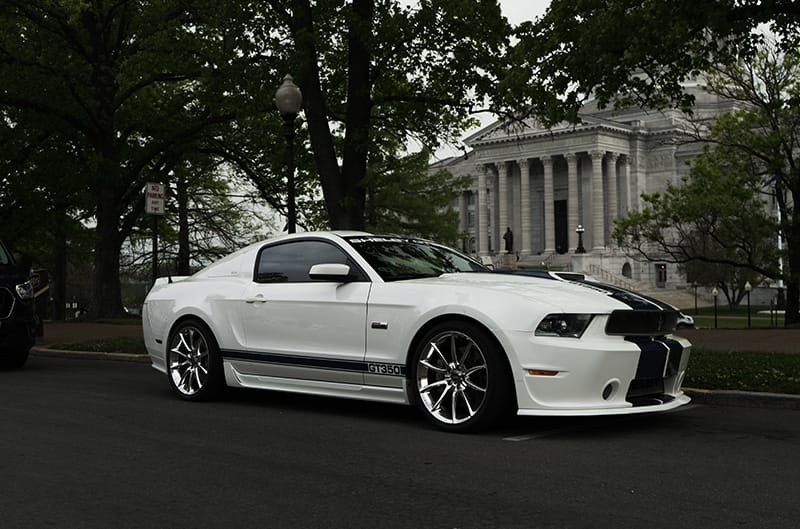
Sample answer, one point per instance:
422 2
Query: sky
518 10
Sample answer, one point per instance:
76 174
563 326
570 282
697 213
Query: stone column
462 212
598 224
482 212
525 207
626 184
549 214
612 194
573 217
502 196
613 187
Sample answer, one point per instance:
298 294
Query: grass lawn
123 344
768 372
760 317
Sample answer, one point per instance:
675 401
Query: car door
296 327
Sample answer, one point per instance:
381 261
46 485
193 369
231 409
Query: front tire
194 364
459 378
14 359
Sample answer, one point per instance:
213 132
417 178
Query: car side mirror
339 273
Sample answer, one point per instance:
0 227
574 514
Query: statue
508 236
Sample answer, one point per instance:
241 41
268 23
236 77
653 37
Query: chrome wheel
189 360
452 377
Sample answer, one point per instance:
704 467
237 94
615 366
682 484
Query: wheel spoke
453 406
436 384
467 350
464 396
432 367
453 349
470 384
435 347
438 404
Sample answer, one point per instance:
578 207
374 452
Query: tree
730 280
629 52
403 197
377 69
722 212
132 85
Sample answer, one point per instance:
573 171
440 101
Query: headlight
25 290
567 325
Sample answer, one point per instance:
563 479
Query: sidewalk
56 333
755 340
750 340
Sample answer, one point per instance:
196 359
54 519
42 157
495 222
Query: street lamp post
579 230
747 288
289 101
715 293
694 285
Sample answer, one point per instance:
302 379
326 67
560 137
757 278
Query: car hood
564 296
12 274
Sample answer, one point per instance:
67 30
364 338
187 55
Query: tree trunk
60 272
792 273
342 188
107 292
183 225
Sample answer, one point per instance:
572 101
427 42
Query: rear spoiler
169 279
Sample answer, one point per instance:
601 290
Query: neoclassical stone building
548 184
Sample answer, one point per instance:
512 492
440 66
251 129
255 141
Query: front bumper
599 374
18 330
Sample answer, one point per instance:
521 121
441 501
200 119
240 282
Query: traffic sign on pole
154 199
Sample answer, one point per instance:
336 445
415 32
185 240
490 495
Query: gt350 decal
387 369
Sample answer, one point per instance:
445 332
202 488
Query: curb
743 399
707 397
90 355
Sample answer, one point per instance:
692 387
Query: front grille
647 392
6 303
641 322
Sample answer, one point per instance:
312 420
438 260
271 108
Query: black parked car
17 314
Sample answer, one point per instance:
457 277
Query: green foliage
744 371
743 191
403 197
627 52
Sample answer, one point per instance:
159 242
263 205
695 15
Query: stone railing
605 276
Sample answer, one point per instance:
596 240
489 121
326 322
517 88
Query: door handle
257 299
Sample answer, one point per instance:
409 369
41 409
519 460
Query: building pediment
504 131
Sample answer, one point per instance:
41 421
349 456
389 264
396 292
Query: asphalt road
98 444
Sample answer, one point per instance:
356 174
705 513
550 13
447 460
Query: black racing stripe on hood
632 299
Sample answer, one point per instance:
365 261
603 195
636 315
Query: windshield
396 258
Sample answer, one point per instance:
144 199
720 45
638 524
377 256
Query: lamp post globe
747 288
289 101
715 293
579 230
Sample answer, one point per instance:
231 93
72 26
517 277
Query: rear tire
459 378
194 364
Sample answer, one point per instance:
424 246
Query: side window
290 262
